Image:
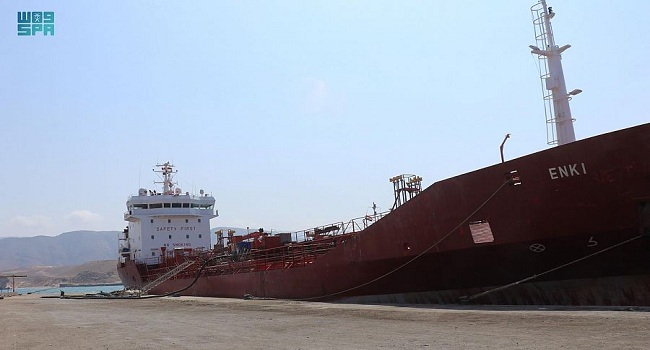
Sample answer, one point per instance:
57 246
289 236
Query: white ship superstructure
165 224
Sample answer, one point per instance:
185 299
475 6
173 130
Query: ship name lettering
567 171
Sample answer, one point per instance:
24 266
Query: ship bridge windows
201 206
171 205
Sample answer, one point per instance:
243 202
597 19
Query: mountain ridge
68 248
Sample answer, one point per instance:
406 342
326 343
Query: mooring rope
196 278
122 297
509 180
532 277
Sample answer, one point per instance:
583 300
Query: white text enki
567 171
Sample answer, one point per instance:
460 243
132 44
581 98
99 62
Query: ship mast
167 170
556 102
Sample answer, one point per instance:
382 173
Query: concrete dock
32 322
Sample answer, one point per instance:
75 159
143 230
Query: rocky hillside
93 272
70 248
80 257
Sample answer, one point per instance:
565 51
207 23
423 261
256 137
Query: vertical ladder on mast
169 274
559 123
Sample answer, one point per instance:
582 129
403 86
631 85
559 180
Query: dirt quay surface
31 322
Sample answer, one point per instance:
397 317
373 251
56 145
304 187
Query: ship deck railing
305 248
284 257
338 228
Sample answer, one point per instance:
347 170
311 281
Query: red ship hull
575 232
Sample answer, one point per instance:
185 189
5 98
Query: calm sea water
67 290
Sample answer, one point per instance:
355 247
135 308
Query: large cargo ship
569 225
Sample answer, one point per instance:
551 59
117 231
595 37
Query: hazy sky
291 113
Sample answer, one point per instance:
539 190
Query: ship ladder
169 274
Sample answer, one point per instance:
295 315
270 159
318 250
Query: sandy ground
31 322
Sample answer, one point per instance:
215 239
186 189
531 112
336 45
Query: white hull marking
567 171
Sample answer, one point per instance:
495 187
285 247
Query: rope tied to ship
534 276
514 179
196 278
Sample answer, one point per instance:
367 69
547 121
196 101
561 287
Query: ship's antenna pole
167 170
558 112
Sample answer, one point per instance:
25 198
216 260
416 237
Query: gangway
169 274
